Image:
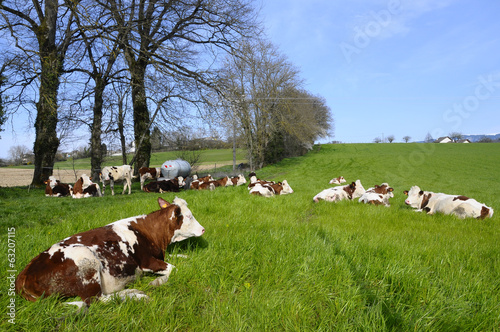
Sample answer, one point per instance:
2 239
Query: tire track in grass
367 290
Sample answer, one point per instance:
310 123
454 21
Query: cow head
189 226
338 180
415 196
241 180
181 181
286 188
87 180
105 176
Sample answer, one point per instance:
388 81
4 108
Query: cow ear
390 189
421 192
163 203
405 192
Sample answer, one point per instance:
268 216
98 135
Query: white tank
173 168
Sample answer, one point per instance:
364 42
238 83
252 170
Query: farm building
445 139
464 141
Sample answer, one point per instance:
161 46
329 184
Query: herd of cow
430 202
99 263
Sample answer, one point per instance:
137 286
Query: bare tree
390 138
3 80
170 36
456 136
377 140
17 153
406 138
275 115
42 32
428 138
98 63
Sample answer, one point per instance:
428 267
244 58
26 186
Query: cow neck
158 226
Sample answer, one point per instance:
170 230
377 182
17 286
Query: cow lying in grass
460 206
338 180
84 187
172 185
271 189
378 195
238 180
196 182
335 194
99 263
55 188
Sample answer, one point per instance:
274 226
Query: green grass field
286 263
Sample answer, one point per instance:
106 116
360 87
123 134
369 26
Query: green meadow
286 263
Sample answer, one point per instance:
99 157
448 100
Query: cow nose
407 202
203 231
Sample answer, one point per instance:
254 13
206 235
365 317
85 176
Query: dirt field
12 177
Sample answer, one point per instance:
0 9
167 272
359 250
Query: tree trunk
121 128
141 118
46 141
95 139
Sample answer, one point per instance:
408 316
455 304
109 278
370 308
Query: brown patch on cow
375 202
48 189
425 201
205 178
462 198
484 212
350 189
47 275
380 189
78 187
150 170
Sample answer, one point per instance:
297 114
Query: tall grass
286 263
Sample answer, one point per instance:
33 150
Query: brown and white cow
334 194
458 205
378 195
224 182
55 188
196 182
268 190
100 262
338 180
238 180
172 185
148 173
255 181
112 174
84 187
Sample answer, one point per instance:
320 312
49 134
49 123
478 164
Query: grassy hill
287 263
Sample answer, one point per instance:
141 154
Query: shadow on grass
188 245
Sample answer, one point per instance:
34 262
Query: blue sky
397 67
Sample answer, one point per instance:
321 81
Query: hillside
286 263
